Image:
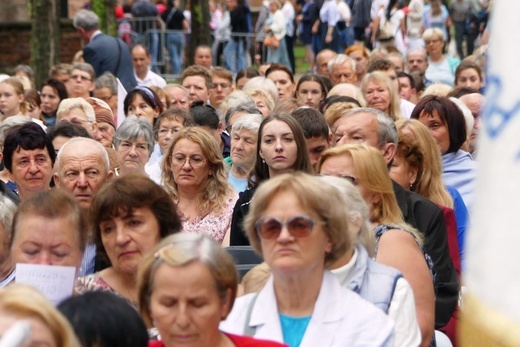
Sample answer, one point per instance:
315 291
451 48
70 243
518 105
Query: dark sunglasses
271 227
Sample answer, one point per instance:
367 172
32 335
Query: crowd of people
353 182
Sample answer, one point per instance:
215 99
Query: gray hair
468 116
356 208
24 68
341 59
177 86
262 83
66 105
249 122
86 19
85 67
241 108
89 143
10 123
107 80
236 98
7 211
132 128
386 132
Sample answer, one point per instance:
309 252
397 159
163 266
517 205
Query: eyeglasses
81 77
298 226
195 162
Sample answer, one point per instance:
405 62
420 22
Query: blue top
461 215
293 329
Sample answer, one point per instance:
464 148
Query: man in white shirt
145 77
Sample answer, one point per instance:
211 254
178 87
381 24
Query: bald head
82 167
416 61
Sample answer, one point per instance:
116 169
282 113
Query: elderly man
475 102
104 52
29 157
221 87
106 90
81 81
322 61
376 129
82 167
179 96
78 111
197 80
342 69
141 59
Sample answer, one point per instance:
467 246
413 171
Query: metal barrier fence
152 33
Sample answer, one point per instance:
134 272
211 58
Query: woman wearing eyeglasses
441 67
195 177
299 226
397 244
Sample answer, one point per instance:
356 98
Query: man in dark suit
376 129
103 52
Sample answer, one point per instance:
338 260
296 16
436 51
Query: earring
263 161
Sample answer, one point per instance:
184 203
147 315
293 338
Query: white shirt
151 79
401 310
288 11
406 108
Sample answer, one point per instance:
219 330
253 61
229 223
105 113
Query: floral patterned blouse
214 225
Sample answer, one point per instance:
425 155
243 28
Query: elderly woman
381 285
244 138
262 83
130 215
29 157
143 102
263 100
167 125
52 93
276 29
78 111
12 96
447 125
49 229
133 142
441 68
195 177
397 244
7 211
281 147
24 306
186 268
299 226
380 93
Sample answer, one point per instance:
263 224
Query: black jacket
238 236
428 218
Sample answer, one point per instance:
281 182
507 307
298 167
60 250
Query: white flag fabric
121 95
491 311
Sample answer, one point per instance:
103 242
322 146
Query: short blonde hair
337 110
217 188
438 89
23 301
269 101
380 78
66 105
431 33
183 249
312 195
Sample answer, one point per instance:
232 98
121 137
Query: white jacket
340 318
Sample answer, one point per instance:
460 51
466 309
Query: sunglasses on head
271 227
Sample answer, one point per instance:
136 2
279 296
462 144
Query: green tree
45 37
107 18
200 32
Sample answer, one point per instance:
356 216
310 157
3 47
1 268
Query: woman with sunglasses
281 147
194 174
397 244
300 228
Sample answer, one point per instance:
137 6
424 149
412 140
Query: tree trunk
45 37
200 32
105 11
